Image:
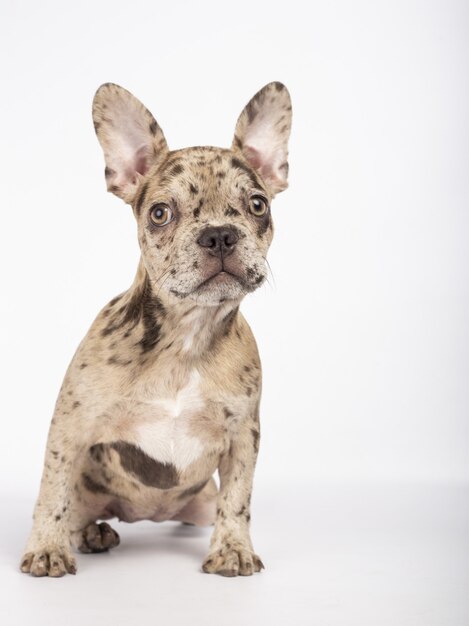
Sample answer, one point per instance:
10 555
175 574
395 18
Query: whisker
269 271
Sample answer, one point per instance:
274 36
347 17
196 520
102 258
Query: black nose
219 240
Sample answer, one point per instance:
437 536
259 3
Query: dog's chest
177 428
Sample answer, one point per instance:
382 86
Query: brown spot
146 469
153 127
76 404
193 189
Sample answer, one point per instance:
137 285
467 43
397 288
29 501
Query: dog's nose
219 240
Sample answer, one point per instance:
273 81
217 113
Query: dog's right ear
130 137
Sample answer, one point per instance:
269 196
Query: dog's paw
98 538
232 561
53 561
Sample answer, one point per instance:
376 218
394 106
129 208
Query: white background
361 500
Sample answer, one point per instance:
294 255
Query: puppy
165 387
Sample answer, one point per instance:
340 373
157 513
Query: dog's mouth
222 284
221 277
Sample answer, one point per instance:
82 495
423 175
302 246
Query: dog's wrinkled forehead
209 183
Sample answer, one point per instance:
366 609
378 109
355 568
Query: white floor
335 555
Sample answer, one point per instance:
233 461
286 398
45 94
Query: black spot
143 467
255 439
177 169
145 307
96 452
192 491
263 224
227 412
193 189
58 517
237 142
221 513
94 486
141 199
231 212
115 300
229 320
235 162
152 309
108 172
196 211
114 360
153 127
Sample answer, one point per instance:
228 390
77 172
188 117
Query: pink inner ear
253 156
141 160
261 163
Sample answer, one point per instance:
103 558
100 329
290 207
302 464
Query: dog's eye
258 206
161 214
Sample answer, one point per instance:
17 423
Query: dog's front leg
231 552
48 551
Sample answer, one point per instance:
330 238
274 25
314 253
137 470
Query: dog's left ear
262 133
130 137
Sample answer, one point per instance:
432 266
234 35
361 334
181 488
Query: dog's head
204 221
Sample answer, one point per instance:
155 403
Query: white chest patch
166 437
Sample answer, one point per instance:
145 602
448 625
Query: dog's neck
181 324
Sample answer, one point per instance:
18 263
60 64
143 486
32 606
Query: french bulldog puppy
164 389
